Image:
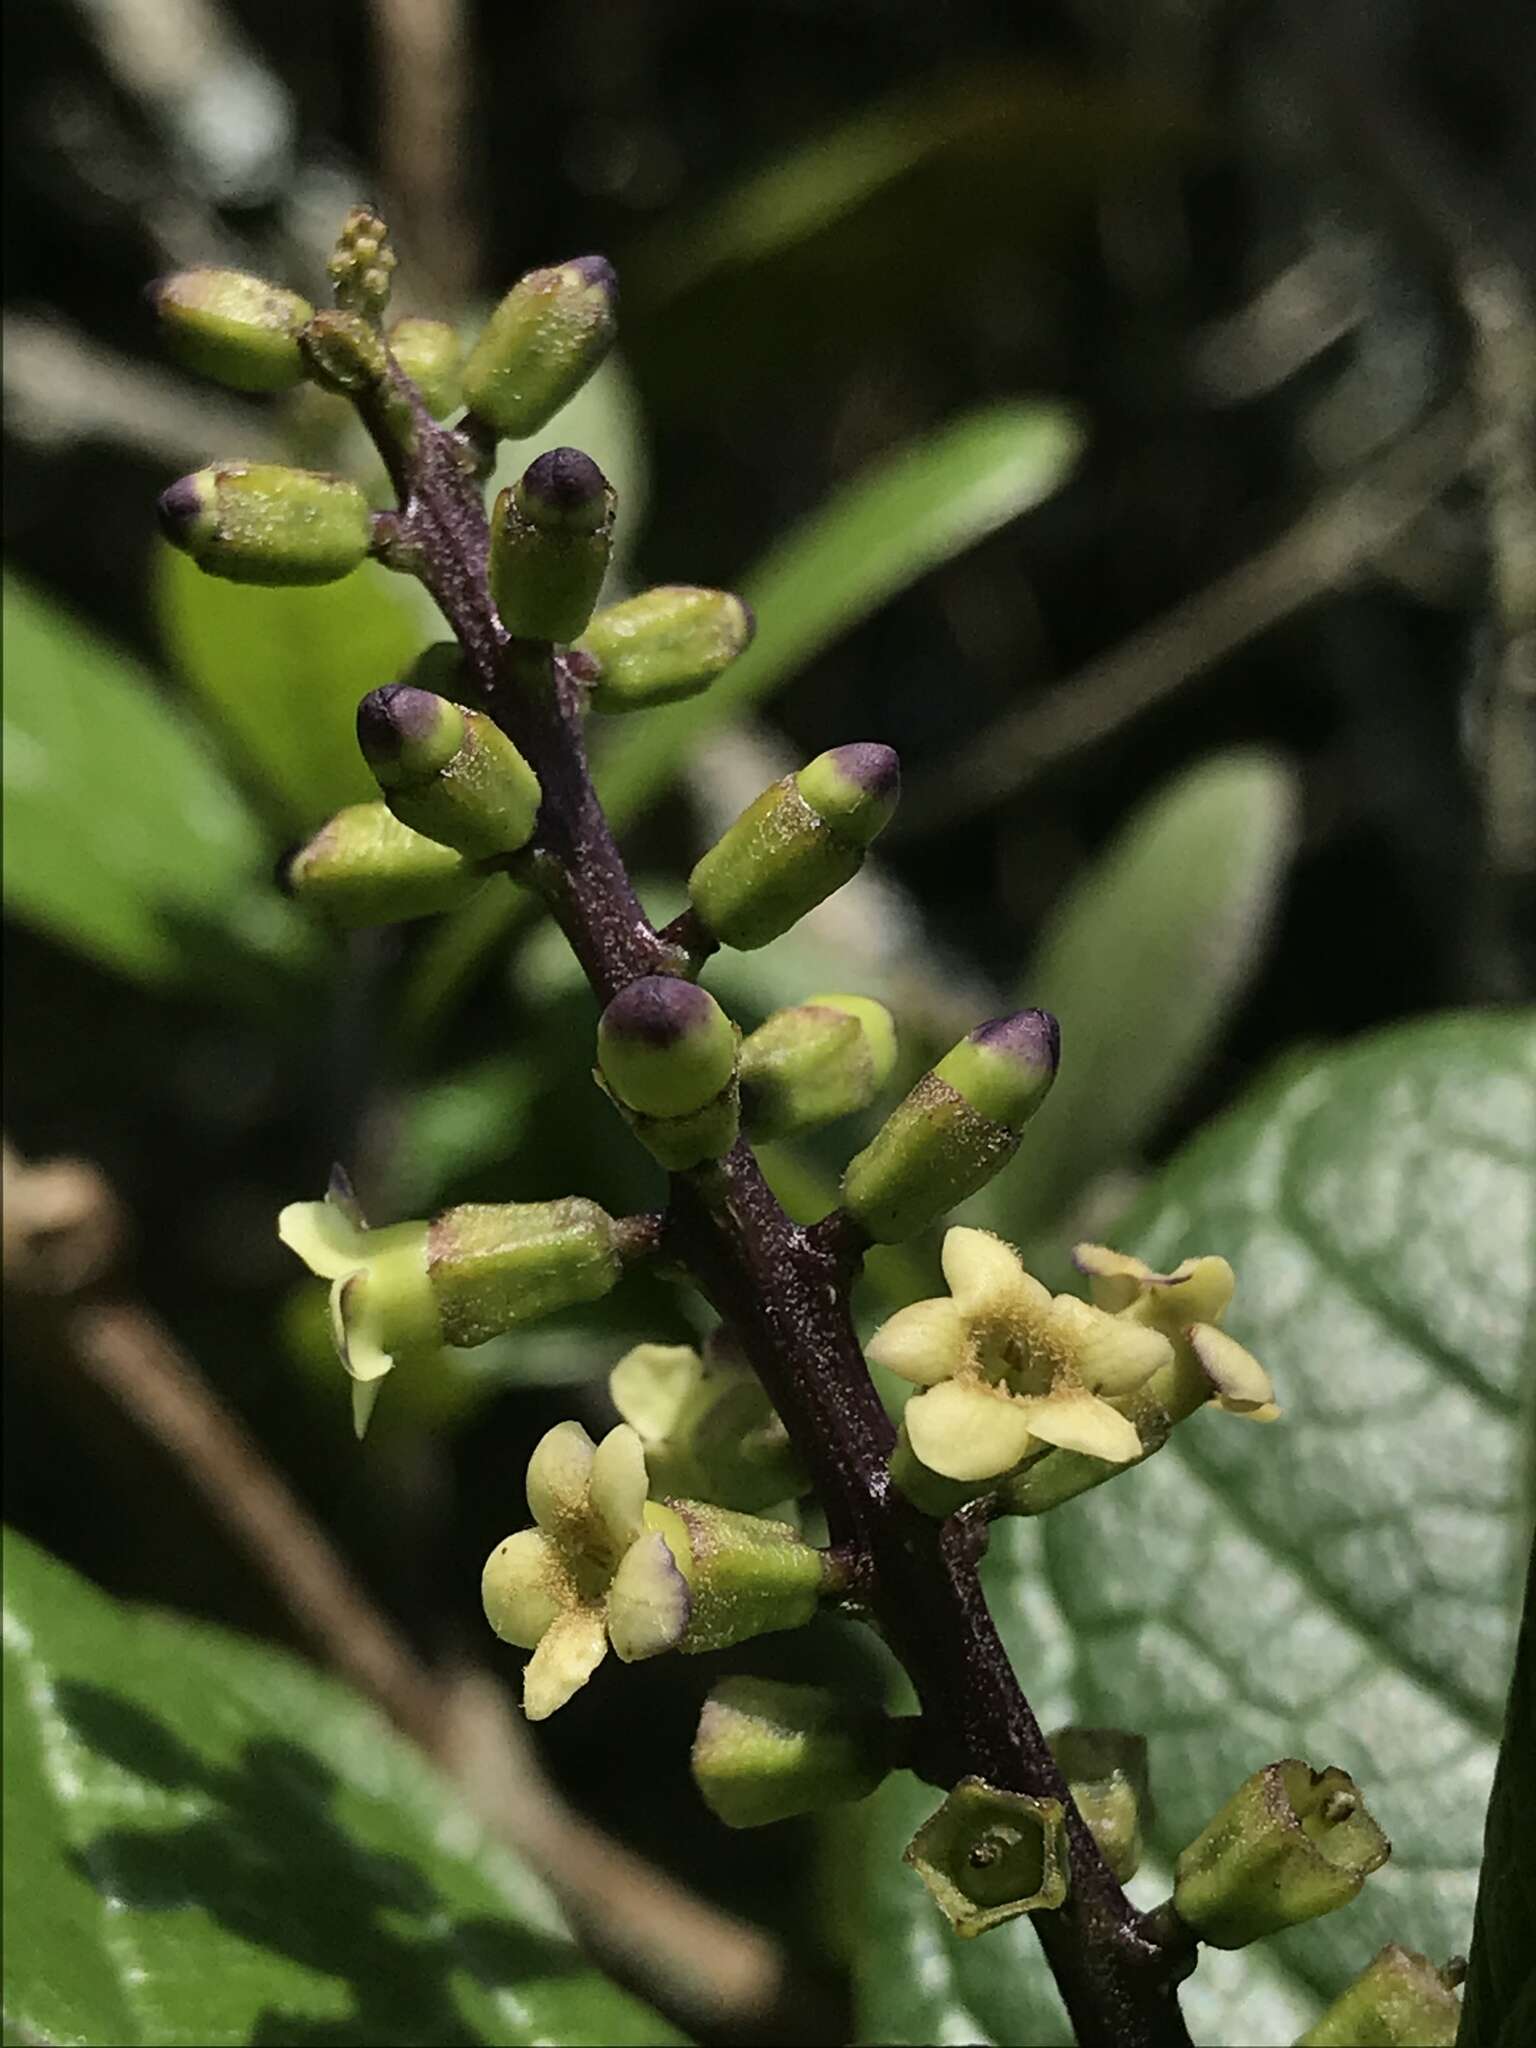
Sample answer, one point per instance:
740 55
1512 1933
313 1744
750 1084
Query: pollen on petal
569 1651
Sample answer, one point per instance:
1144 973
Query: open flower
708 1429
1005 1366
382 1304
592 1573
1185 1306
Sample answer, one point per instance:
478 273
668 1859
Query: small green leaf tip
663 645
541 344
257 522
428 352
766 1751
407 735
551 541
1400 2001
363 867
808 1065
1289 1844
448 773
361 264
988 1856
239 330
665 1046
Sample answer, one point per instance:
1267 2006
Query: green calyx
541 344
448 773
663 645
551 542
1107 1771
988 1856
747 1576
363 867
802 839
237 329
257 522
767 1751
823 1059
428 352
1057 1476
1400 2001
495 1265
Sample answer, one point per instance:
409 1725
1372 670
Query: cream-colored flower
382 1305
1185 1306
590 1574
709 1430
1006 1367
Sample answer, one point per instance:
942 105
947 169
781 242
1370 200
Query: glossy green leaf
206 1842
123 838
1499 2004
1340 1585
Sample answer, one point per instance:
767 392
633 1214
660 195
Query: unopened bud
1107 1770
959 1126
747 1576
256 522
238 330
989 1855
802 839
767 1751
666 643
1400 2001
450 774
495 1265
428 352
361 264
666 1052
1289 1844
541 344
441 668
344 352
363 867
551 540
822 1059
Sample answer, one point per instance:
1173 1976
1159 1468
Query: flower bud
495 1265
363 867
805 1066
551 540
238 330
256 522
441 667
1289 1844
344 353
988 1856
1107 1771
428 352
800 840
666 1053
666 643
541 345
767 1751
747 1576
1400 2001
450 774
959 1126
361 264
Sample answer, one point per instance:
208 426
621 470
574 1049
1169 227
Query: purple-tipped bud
1004 1068
597 270
665 1046
565 490
182 506
854 788
407 735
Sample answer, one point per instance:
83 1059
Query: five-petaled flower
1006 1367
1185 1306
590 1574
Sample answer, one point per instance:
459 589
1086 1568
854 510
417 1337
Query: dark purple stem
783 1290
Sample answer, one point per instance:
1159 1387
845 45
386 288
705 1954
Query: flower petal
965 1430
359 1344
1115 1279
325 1237
1238 1381
569 1652
649 1602
1112 1355
1076 1420
650 1384
616 1491
1198 1290
559 1473
987 1277
924 1343
525 1587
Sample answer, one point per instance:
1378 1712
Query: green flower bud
494 1265
766 1751
664 644
450 774
344 353
1289 1844
551 540
988 1856
441 668
1400 2001
747 1576
363 867
800 840
256 522
238 330
1107 1770
959 1126
666 1053
828 1056
428 351
541 345
361 264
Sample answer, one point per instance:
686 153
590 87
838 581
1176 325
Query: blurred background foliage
1094 401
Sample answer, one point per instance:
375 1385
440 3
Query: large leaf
205 1842
1339 1586
122 836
